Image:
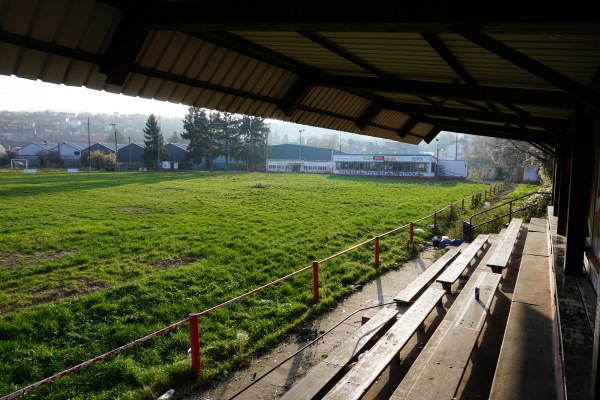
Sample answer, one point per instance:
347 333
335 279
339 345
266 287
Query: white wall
455 168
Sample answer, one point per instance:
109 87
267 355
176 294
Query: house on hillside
453 151
35 152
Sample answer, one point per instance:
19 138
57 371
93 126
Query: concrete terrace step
441 375
360 378
527 363
502 253
410 292
451 274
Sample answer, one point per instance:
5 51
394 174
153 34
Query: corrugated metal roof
396 72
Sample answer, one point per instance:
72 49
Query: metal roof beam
405 130
447 90
490 130
379 16
294 97
571 87
368 116
167 76
122 52
50 48
524 118
431 135
240 45
443 51
334 48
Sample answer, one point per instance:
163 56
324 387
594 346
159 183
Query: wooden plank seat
499 259
451 274
361 377
411 291
526 366
444 369
320 377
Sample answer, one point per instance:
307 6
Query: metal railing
509 214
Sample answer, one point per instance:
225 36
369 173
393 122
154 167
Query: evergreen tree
174 138
232 142
204 134
254 132
154 143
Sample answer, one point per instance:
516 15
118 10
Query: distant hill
18 128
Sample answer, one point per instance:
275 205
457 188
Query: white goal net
19 163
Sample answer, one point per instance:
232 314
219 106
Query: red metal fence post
472 200
315 268
376 250
412 231
195 344
463 203
435 221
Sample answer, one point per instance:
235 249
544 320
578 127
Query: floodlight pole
89 147
301 130
437 157
456 148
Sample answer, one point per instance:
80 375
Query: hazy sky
18 94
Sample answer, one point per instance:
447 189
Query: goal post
19 163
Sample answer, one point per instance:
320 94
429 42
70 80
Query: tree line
212 134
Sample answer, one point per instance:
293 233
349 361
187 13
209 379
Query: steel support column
564 165
579 192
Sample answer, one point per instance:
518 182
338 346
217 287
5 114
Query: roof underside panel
404 55
391 78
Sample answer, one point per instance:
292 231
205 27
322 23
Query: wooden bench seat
361 377
526 365
501 254
451 274
411 291
321 377
442 372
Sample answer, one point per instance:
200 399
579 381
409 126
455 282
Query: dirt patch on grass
81 286
170 263
134 210
25 260
75 286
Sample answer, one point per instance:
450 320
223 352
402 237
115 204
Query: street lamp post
456 148
437 157
301 130
116 150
